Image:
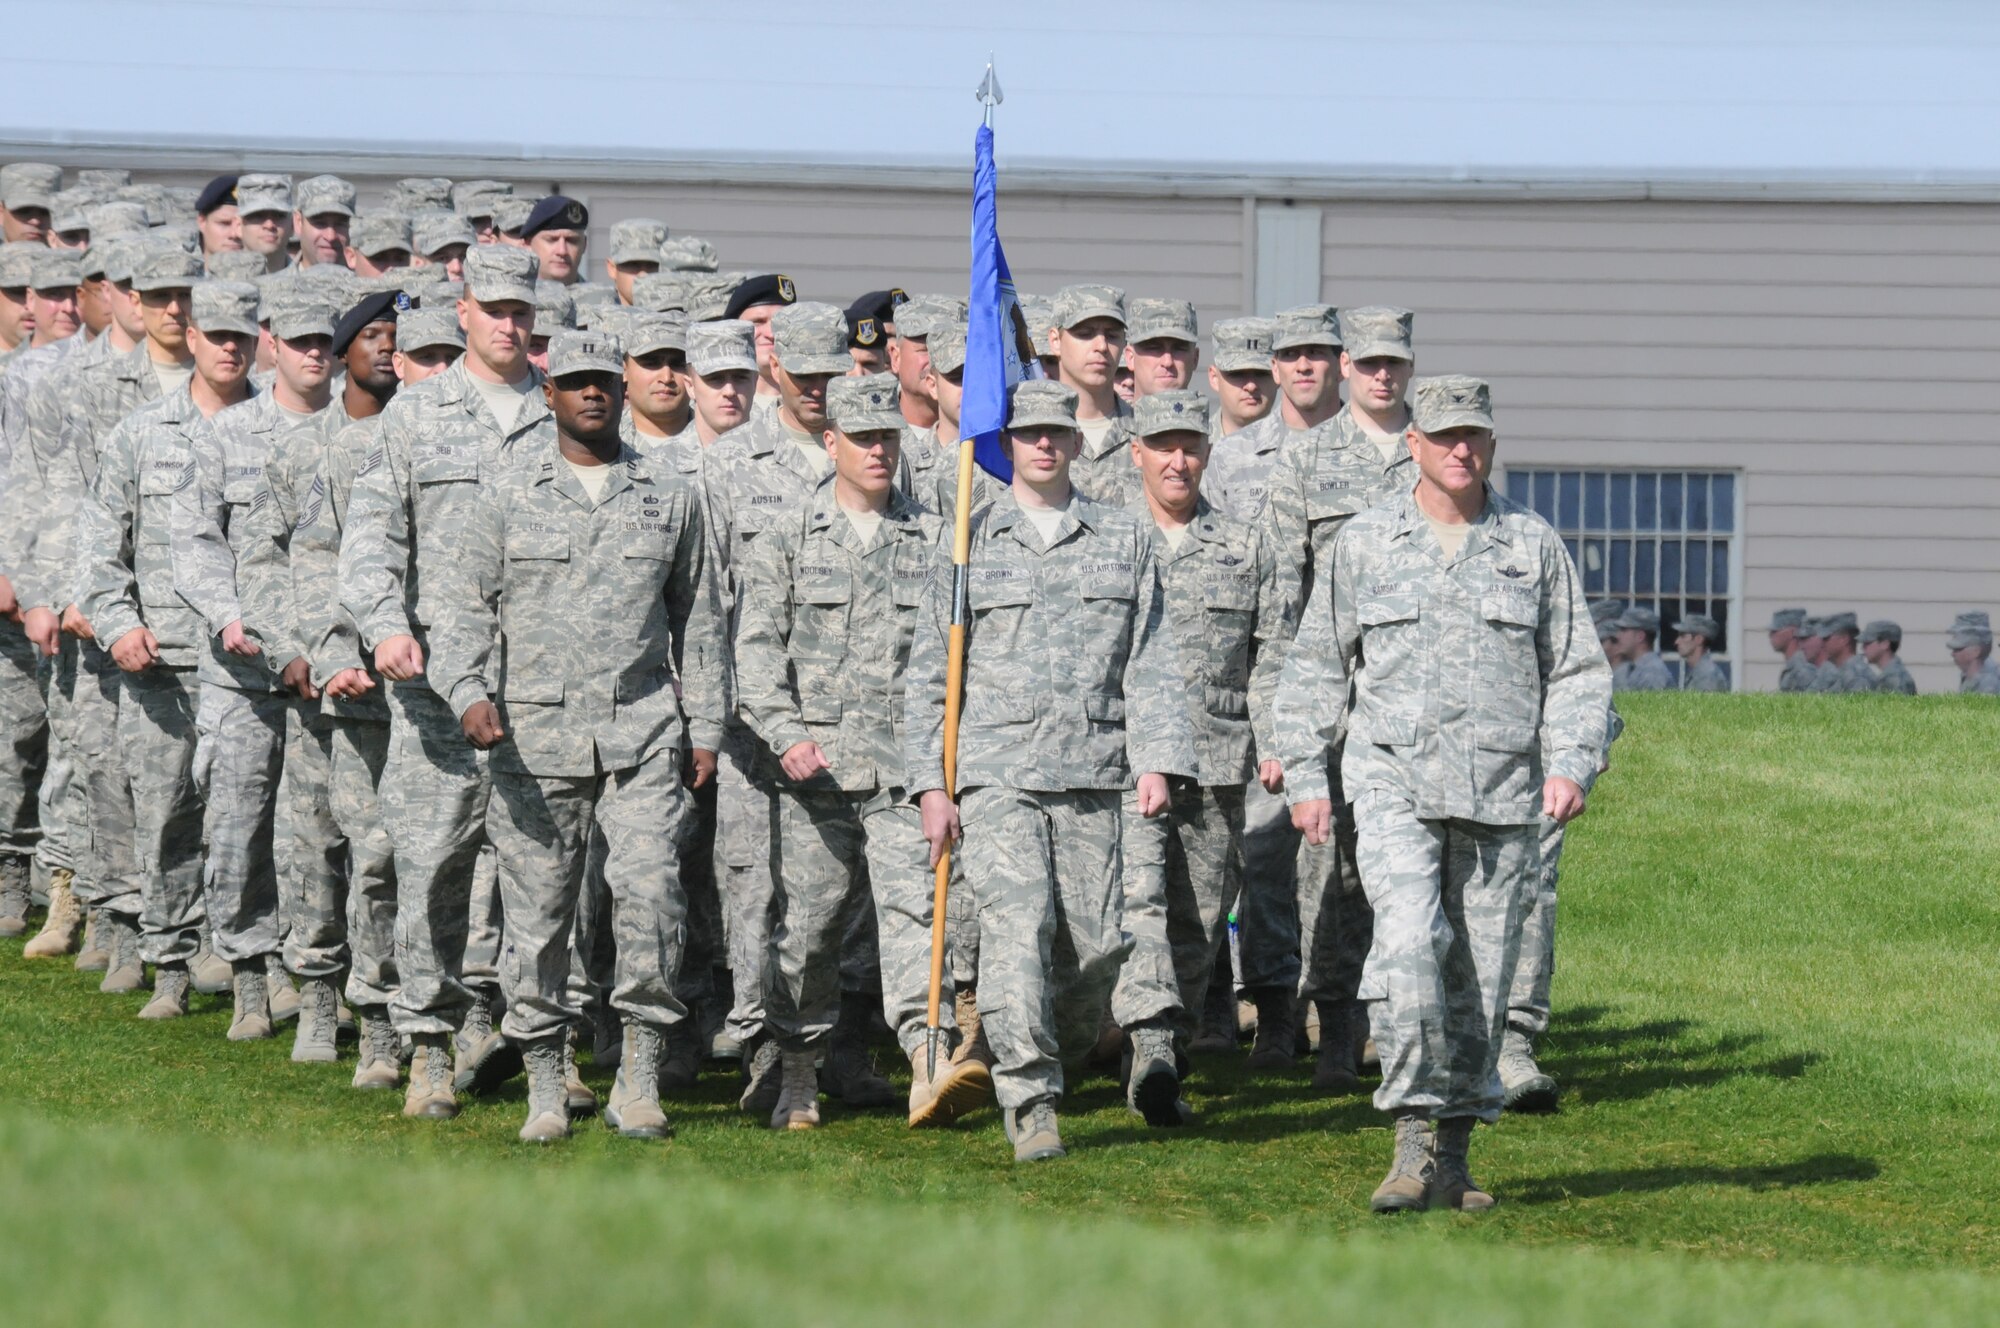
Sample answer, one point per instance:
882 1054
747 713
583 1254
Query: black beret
556 212
869 317
219 192
774 288
380 307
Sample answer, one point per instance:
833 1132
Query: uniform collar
1487 530
1006 514
628 470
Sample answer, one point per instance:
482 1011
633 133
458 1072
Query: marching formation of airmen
405 633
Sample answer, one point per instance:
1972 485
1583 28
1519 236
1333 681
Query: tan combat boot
1525 1086
486 1058
1032 1130
65 920
92 957
252 1019
798 1092
429 1095
1452 1185
581 1099
1406 1189
379 1063
548 1105
15 896
319 1023
170 993
634 1107
281 995
124 971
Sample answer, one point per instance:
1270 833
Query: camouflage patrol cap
1840 622
420 328
97 258
1701 625
1162 320
637 240
555 307
811 338
708 298
660 291
224 306
319 195
916 316
55 269
510 214
72 210
610 319
646 332
1179 410
1607 630
237 265
432 231
1307 325
495 272
1377 332
1812 627
271 286
183 233
176 203
17 260
947 347
688 253
592 294
575 352
263 192
858 405
1976 618
1074 304
1039 313
29 184
1451 401
1641 619
108 219
117 255
1236 344
414 193
163 267
104 179
1784 618
1962 634
379 233
152 197
724 345
1606 610
1041 403
472 199
299 312
1881 629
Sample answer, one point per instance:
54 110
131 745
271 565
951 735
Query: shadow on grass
1605 1060
1819 1169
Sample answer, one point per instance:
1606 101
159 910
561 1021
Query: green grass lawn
1775 1030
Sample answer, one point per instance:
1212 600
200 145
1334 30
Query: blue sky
1536 86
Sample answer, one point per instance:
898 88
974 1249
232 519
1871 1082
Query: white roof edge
573 166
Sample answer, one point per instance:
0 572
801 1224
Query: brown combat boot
65 920
429 1095
252 1019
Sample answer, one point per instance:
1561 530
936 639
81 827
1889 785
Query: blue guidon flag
992 353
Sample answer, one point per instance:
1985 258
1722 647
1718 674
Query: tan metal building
1738 393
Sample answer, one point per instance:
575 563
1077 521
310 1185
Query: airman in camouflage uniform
1457 619
1182 868
244 707
1072 688
1643 669
635 253
408 500
28 192
1325 475
1239 374
1088 338
1970 640
580 579
1850 670
758 479
658 413
1695 637
1881 644
1163 345
126 590
827 614
1787 628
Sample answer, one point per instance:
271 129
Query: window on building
1662 539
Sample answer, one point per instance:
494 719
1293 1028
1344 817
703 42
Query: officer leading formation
424 645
